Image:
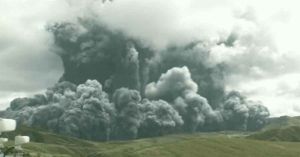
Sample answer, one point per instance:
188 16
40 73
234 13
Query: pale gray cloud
26 63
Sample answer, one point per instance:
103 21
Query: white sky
265 59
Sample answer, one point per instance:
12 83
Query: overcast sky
265 59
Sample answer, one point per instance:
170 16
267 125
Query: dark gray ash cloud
88 112
121 75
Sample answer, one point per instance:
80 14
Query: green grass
280 129
175 146
202 146
291 134
221 144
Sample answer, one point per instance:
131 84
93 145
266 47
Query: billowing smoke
128 117
235 111
242 114
90 115
86 111
159 118
116 86
177 87
258 115
175 82
91 51
195 57
81 111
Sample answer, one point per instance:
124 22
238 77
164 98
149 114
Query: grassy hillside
280 129
45 143
197 145
291 133
281 122
203 145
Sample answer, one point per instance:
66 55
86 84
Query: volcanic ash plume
175 82
159 118
91 51
128 117
116 86
177 87
90 114
241 114
81 111
194 56
235 111
86 111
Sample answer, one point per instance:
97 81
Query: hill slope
204 145
291 134
213 146
281 122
